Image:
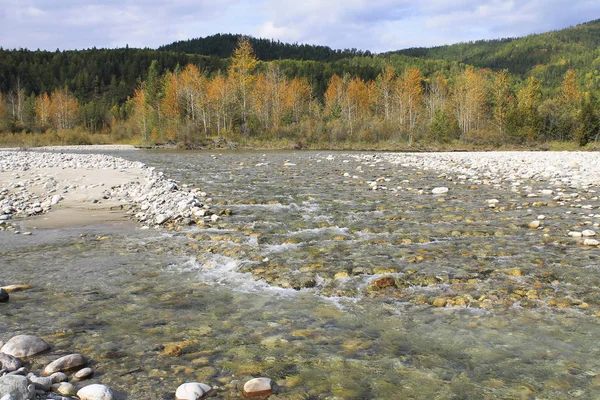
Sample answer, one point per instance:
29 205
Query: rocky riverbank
34 183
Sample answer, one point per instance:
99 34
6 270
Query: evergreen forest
531 92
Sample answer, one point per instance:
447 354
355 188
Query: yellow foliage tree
571 95
64 109
470 99
243 64
42 109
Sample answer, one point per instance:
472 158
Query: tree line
387 101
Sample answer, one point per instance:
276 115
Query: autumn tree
298 97
502 100
219 97
192 89
64 109
526 123
141 111
385 83
571 95
42 109
470 99
412 93
333 97
243 64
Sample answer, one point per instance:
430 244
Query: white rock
95 392
575 234
588 233
258 387
214 218
440 190
534 224
591 242
192 391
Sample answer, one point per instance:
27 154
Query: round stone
84 373
95 392
66 389
192 391
258 387
440 190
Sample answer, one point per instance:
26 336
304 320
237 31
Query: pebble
59 377
192 391
588 233
534 224
258 387
95 392
440 190
591 242
84 373
66 388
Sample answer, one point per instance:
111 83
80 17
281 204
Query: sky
375 25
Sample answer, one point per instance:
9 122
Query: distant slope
223 45
546 55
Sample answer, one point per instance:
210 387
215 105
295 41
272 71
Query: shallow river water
330 288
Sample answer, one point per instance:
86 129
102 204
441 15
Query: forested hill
223 45
90 73
546 55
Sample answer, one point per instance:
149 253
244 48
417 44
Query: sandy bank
60 190
91 147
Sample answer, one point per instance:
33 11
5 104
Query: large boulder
23 346
17 387
66 363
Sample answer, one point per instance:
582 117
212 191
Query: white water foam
216 269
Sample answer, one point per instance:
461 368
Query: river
330 288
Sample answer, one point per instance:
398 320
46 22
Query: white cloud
377 25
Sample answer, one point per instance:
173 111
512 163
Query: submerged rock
23 346
65 363
4 297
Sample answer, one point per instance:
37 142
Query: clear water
284 287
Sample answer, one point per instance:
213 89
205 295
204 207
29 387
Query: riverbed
338 275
